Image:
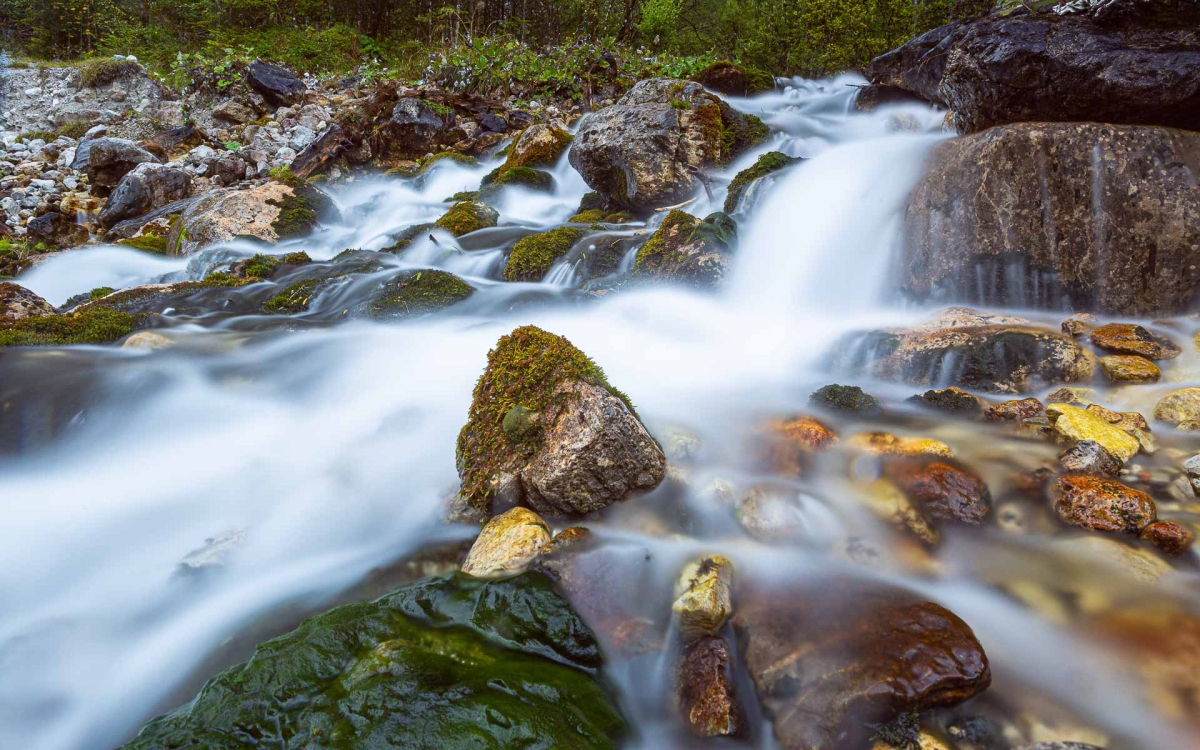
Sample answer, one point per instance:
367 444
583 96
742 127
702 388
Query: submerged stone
419 293
846 398
1180 409
448 662
1170 537
703 601
1129 368
942 487
704 680
1101 504
1075 424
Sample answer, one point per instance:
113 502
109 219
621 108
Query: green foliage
100 291
533 255
261 266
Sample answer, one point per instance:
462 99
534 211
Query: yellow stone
925 741
1180 408
1079 424
704 602
1130 368
507 543
887 501
885 443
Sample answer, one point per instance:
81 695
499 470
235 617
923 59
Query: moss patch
542 152
299 212
419 292
261 266
591 216
659 252
93 326
293 299
100 291
772 161
534 179
454 156
150 243
466 217
525 369
533 256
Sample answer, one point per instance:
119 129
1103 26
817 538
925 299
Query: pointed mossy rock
772 161
466 217
447 662
532 256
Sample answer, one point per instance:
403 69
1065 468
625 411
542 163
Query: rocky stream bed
853 413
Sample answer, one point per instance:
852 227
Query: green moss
717 227
588 217
403 172
466 217
103 72
591 201
76 129
735 80
261 266
658 252
93 326
297 258
440 109
740 133
848 398
420 292
542 153
454 156
150 243
772 161
293 299
452 662
463 195
525 369
35 135
534 179
220 278
100 291
297 216
533 256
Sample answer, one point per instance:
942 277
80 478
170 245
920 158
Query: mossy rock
846 398
406 238
419 293
157 297
261 266
448 156
102 72
687 249
98 325
525 369
532 256
534 179
150 243
403 172
727 78
300 212
716 227
447 662
770 162
537 146
100 292
468 216
295 298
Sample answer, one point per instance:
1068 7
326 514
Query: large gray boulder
110 159
650 149
148 187
1058 68
1102 218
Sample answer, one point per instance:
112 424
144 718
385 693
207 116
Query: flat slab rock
829 657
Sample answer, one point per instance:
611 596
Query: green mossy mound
293 299
98 325
453 156
849 398
599 215
100 292
543 150
735 80
772 161
262 266
658 252
716 227
525 369
447 662
533 255
468 216
300 212
686 249
418 293
534 179
150 243
103 72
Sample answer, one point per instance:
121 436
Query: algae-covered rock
1129 368
591 449
507 543
419 292
528 177
686 249
538 145
468 216
646 151
533 256
448 662
295 297
768 163
845 398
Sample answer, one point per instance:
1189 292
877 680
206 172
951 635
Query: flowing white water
332 449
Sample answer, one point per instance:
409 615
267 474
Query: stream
316 451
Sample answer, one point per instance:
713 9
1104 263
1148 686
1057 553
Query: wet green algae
466 217
418 293
447 662
532 256
99 325
525 369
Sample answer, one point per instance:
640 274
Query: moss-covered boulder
447 662
185 297
93 326
538 146
466 217
647 150
688 250
418 293
582 447
527 177
768 163
295 298
735 80
533 256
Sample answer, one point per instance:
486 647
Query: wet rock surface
429 663
945 489
1126 338
828 660
999 220
1102 504
705 683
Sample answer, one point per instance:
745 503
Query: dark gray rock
147 187
1089 457
110 159
279 87
414 127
